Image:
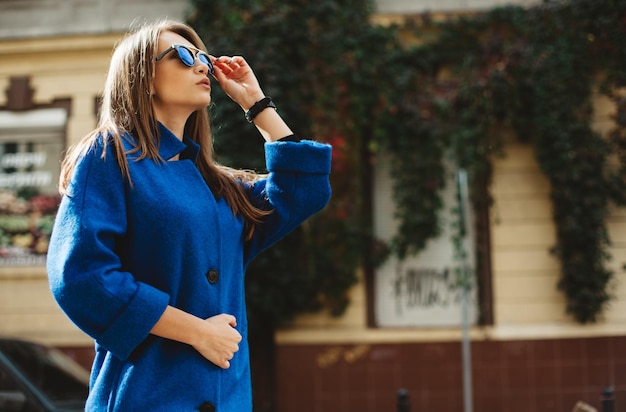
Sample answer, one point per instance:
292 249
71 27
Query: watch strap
258 107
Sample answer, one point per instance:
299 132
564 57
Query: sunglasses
187 56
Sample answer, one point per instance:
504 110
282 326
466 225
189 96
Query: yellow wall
527 304
60 68
525 274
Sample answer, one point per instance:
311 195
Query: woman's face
178 90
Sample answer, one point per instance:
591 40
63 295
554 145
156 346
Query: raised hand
237 80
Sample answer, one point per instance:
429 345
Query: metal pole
467 357
608 402
465 285
403 401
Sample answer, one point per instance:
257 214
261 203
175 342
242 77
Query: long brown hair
127 108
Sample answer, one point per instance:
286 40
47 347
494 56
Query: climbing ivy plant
324 65
311 57
421 90
534 71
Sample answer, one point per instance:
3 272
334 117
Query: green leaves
534 70
319 62
420 91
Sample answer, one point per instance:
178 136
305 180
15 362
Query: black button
207 407
212 276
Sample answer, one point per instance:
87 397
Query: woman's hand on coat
223 340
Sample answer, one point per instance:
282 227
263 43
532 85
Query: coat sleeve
84 270
296 188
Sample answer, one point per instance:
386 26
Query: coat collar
170 146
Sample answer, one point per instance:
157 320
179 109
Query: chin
202 105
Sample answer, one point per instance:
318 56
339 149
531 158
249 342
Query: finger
225 365
222 69
232 321
218 72
225 60
239 61
220 63
234 62
225 317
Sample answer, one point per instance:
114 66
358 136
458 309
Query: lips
205 82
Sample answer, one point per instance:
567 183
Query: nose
201 67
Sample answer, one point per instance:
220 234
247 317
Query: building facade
403 332
53 61
530 357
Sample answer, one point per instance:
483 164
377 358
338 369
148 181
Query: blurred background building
528 356
53 61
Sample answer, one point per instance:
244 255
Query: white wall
35 18
420 6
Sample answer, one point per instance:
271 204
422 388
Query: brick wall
511 376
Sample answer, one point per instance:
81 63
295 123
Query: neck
173 121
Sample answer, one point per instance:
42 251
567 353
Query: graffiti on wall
425 287
414 293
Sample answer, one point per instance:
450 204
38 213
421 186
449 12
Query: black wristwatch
258 107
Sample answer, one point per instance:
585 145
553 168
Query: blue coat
120 254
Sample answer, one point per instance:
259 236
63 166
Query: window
31 143
425 290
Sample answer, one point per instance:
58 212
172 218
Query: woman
152 237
